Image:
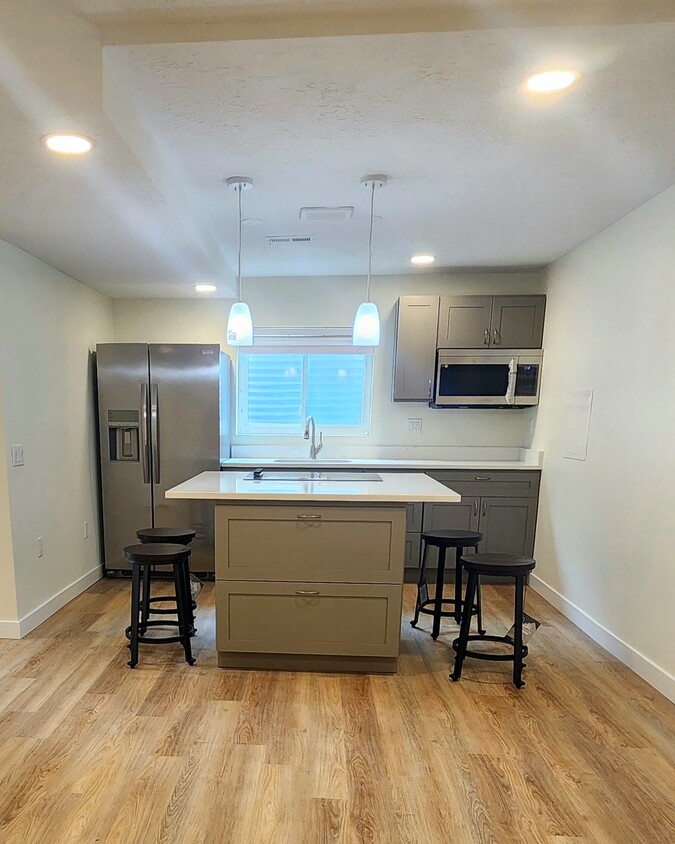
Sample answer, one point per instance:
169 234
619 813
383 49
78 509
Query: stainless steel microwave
491 378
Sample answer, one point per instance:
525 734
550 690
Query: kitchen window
289 374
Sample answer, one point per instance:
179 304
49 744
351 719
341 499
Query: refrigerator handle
145 451
154 428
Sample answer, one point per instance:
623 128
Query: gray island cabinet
309 573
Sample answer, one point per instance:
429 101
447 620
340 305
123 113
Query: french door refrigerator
163 418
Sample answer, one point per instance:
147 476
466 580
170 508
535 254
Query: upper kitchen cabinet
464 322
415 349
518 321
476 322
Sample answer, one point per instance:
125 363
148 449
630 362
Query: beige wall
294 302
606 533
48 324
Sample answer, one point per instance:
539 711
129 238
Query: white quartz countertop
234 463
395 487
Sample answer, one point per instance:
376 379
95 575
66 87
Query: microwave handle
510 397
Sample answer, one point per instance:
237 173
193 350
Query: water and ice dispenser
123 433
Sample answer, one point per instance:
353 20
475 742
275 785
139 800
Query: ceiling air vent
287 238
327 215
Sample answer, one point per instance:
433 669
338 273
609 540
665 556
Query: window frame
326 344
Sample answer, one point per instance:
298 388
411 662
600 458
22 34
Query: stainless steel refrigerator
163 418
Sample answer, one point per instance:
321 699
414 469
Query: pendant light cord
239 251
370 239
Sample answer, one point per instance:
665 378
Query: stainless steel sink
300 460
305 475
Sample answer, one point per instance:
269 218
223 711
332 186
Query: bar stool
142 557
173 536
444 539
497 565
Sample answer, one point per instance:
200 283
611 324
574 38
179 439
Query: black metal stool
173 536
444 539
142 557
498 565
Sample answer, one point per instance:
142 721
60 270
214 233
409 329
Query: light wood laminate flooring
91 751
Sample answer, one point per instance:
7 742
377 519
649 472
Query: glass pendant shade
366 330
240 325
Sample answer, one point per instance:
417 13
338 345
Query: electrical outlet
17 455
86 530
40 546
414 426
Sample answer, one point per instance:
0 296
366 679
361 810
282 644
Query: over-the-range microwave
491 378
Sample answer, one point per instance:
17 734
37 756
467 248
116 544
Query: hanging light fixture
366 331
240 322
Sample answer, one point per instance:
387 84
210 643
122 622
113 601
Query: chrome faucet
314 449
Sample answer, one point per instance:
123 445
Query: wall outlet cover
414 426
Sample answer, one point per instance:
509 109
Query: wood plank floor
91 751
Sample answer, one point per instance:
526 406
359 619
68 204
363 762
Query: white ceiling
481 174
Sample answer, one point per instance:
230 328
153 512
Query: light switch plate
17 455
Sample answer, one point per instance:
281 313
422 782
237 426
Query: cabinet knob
496 339
486 338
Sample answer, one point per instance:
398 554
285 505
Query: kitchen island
309 565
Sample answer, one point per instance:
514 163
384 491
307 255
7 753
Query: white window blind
302 373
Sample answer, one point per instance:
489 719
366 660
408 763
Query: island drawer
310 542
308 618
515 484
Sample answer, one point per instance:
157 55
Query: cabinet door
411 557
413 517
507 525
462 516
464 322
415 349
518 321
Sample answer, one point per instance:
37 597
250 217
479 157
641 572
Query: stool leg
135 609
420 581
479 608
518 635
148 571
189 603
458 585
438 597
183 622
465 628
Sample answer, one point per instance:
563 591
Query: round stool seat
180 536
156 553
452 538
499 565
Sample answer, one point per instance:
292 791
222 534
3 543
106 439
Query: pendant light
366 331
240 322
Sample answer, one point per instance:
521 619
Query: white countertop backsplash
393 488
387 457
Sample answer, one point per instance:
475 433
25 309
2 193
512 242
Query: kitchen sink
306 475
300 460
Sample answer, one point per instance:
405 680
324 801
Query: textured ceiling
480 172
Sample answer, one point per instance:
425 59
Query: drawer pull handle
309 515
482 478
306 592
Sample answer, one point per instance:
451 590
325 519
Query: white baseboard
19 629
653 674
10 630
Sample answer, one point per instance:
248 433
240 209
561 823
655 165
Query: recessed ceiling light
252 221
551 80
205 288
68 144
422 260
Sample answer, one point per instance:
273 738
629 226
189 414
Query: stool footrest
492 657
152 640
423 607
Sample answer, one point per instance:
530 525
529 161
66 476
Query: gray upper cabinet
464 322
415 349
518 321
477 322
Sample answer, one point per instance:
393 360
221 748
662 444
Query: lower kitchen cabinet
507 525
413 543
